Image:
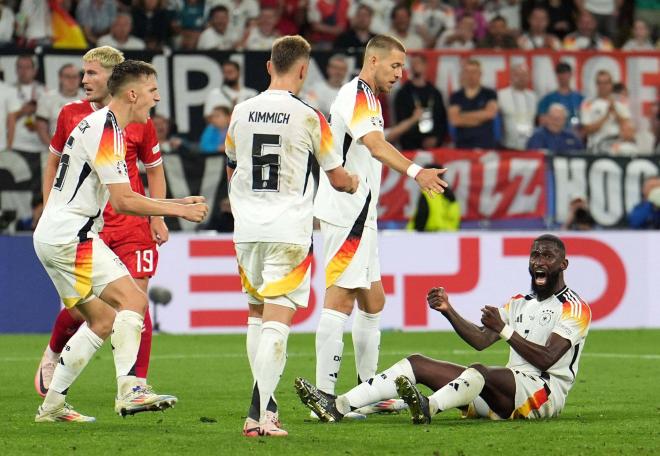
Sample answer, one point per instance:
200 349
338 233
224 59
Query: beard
552 277
231 82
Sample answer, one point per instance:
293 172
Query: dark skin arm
540 356
479 337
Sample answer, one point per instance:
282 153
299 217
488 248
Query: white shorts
80 270
534 399
350 257
275 273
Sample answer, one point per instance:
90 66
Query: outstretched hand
429 181
491 319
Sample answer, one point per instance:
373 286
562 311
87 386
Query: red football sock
65 326
144 353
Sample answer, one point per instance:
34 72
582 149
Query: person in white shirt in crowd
33 23
624 144
640 39
402 29
322 93
50 103
518 107
7 19
462 37
22 133
217 35
9 104
602 116
605 12
241 12
382 11
431 18
538 37
586 37
508 9
120 35
261 35
231 92
168 143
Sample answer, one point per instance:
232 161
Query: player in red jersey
132 238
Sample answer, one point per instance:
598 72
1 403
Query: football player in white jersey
348 222
85 272
546 331
270 145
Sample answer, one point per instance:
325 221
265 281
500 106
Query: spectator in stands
624 144
168 142
21 125
393 133
401 28
517 104
231 92
188 23
50 103
472 110
9 104
430 19
418 92
553 135
359 34
291 13
439 213
217 35
120 35
241 13
33 24
602 116
508 9
7 19
95 17
213 136
473 8
152 23
579 216
327 19
261 35
646 214
30 223
498 36
640 39
321 93
569 98
604 12
382 11
537 37
586 37
462 37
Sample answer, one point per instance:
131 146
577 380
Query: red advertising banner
488 184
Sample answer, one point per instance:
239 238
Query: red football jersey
141 144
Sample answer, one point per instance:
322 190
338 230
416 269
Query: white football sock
270 361
377 388
125 341
75 356
329 349
252 342
459 392
366 342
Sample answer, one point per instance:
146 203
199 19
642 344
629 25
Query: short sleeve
230 145
44 107
107 153
454 99
324 150
490 95
366 116
505 312
61 134
585 113
573 324
216 98
149 149
623 110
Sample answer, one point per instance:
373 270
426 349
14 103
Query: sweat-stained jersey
141 144
92 157
355 112
273 139
563 313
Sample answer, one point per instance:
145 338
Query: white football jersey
564 314
93 156
355 112
273 139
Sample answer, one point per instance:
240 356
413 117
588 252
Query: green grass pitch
613 409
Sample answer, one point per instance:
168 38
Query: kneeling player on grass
546 331
85 272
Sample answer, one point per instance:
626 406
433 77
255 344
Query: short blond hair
384 43
287 50
107 56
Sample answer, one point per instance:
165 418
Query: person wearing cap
646 214
564 95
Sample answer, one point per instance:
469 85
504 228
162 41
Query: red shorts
135 249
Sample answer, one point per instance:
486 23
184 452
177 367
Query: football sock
270 361
377 388
329 349
366 342
252 342
65 326
125 341
79 350
459 392
144 352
